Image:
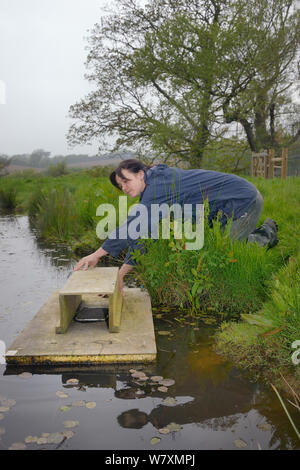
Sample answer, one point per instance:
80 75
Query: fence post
284 163
271 163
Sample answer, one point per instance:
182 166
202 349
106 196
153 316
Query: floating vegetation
174 427
30 439
17 446
169 401
162 389
72 381
156 378
4 408
65 408
167 382
71 424
240 444
61 394
155 440
164 430
91 404
25 375
264 426
78 403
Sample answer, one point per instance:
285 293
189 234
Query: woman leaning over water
232 196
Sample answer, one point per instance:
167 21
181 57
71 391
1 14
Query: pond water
213 404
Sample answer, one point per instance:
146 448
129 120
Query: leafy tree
39 158
4 163
170 74
269 34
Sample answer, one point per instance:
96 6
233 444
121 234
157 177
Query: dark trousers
244 225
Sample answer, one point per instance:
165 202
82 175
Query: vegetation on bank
252 292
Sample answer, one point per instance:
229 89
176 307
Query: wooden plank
87 343
115 309
270 164
284 163
92 281
68 306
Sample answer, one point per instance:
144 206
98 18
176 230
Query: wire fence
293 167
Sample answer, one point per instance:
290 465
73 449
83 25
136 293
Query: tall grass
8 197
224 277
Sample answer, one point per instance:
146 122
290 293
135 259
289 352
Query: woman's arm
90 260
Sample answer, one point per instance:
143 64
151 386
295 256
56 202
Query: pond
211 405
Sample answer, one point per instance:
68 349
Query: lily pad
264 426
240 443
156 378
164 430
164 333
68 434
162 389
167 382
91 404
138 375
8 402
139 392
17 446
72 381
174 427
78 403
143 378
61 394
55 438
25 375
169 401
132 371
4 408
45 434
155 440
30 439
65 408
71 424
41 440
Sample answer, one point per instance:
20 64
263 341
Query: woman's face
132 184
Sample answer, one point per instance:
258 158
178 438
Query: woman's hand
90 260
126 268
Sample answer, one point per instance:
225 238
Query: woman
229 195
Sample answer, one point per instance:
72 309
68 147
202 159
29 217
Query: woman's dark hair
132 165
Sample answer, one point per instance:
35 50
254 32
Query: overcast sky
42 55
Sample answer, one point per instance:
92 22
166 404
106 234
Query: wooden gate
265 163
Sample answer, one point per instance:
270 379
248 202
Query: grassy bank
251 292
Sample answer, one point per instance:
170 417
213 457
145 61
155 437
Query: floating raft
87 343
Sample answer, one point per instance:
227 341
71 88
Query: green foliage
224 277
57 170
168 74
8 197
267 336
227 155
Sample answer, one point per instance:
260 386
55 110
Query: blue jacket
230 194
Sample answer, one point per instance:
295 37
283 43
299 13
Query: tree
270 72
4 163
39 158
170 74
